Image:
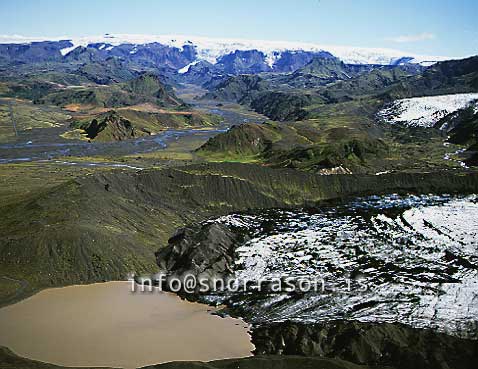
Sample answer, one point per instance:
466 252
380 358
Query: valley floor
78 212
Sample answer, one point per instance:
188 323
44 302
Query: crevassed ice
418 258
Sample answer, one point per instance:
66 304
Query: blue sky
434 27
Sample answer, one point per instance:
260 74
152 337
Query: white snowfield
210 49
186 68
426 111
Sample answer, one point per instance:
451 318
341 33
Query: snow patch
425 111
186 68
67 50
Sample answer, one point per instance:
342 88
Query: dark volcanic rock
241 89
201 250
9 360
203 74
264 362
387 344
290 61
243 61
34 52
110 126
447 77
281 106
461 127
244 139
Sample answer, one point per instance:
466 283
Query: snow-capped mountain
212 50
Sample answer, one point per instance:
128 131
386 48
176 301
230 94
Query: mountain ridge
212 49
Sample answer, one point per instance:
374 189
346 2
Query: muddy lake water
106 324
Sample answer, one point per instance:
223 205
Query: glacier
211 49
426 111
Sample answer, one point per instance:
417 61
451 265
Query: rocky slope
266 362
241 89
210 247
104 226
326 70
210 250
462 128
110 126
447 77
9 360
146 88
207 251
177 51
328 81
365 83
390 345
343 144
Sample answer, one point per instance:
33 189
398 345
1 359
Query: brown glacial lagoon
106 324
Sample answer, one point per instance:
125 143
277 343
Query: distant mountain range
181 53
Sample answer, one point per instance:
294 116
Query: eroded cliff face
205 251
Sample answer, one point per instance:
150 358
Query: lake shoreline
158 330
